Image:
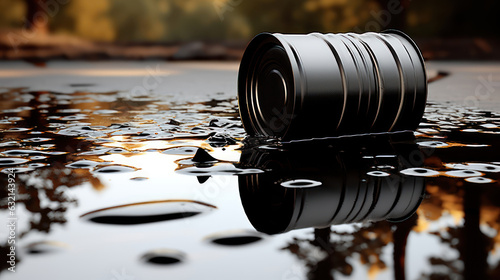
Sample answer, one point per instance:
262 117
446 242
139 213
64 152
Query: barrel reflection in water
343 181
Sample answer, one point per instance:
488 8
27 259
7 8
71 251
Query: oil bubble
17 170
479 180
482 167
301 183
433 144
378 173
115 169
463 173
12 161
419 171
186 150
88 164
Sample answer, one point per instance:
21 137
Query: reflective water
111 186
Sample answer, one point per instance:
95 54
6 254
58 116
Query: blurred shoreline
15 46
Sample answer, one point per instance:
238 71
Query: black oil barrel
325 85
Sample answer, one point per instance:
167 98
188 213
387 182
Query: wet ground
141 171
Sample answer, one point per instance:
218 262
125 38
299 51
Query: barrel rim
250 124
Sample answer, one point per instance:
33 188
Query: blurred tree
187 20
12 13
86 19
37 19
139 20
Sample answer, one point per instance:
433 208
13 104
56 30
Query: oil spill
360 207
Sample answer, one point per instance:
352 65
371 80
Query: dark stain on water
440 186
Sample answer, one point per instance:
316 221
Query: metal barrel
295 87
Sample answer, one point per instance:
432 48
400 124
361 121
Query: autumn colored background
109 28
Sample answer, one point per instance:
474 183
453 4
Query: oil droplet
378 173
386 167
234 238
433 144
37 157
483 167
188 150
479 180
69 111
105 112
148 212
17 129
164 257
12 161
115 169
30 152
45 247
37 165
139 178
301 183
17 170
463 173
220 169
419 171
10 144
83 164
37 139
117 151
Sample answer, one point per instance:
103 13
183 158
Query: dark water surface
113 186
